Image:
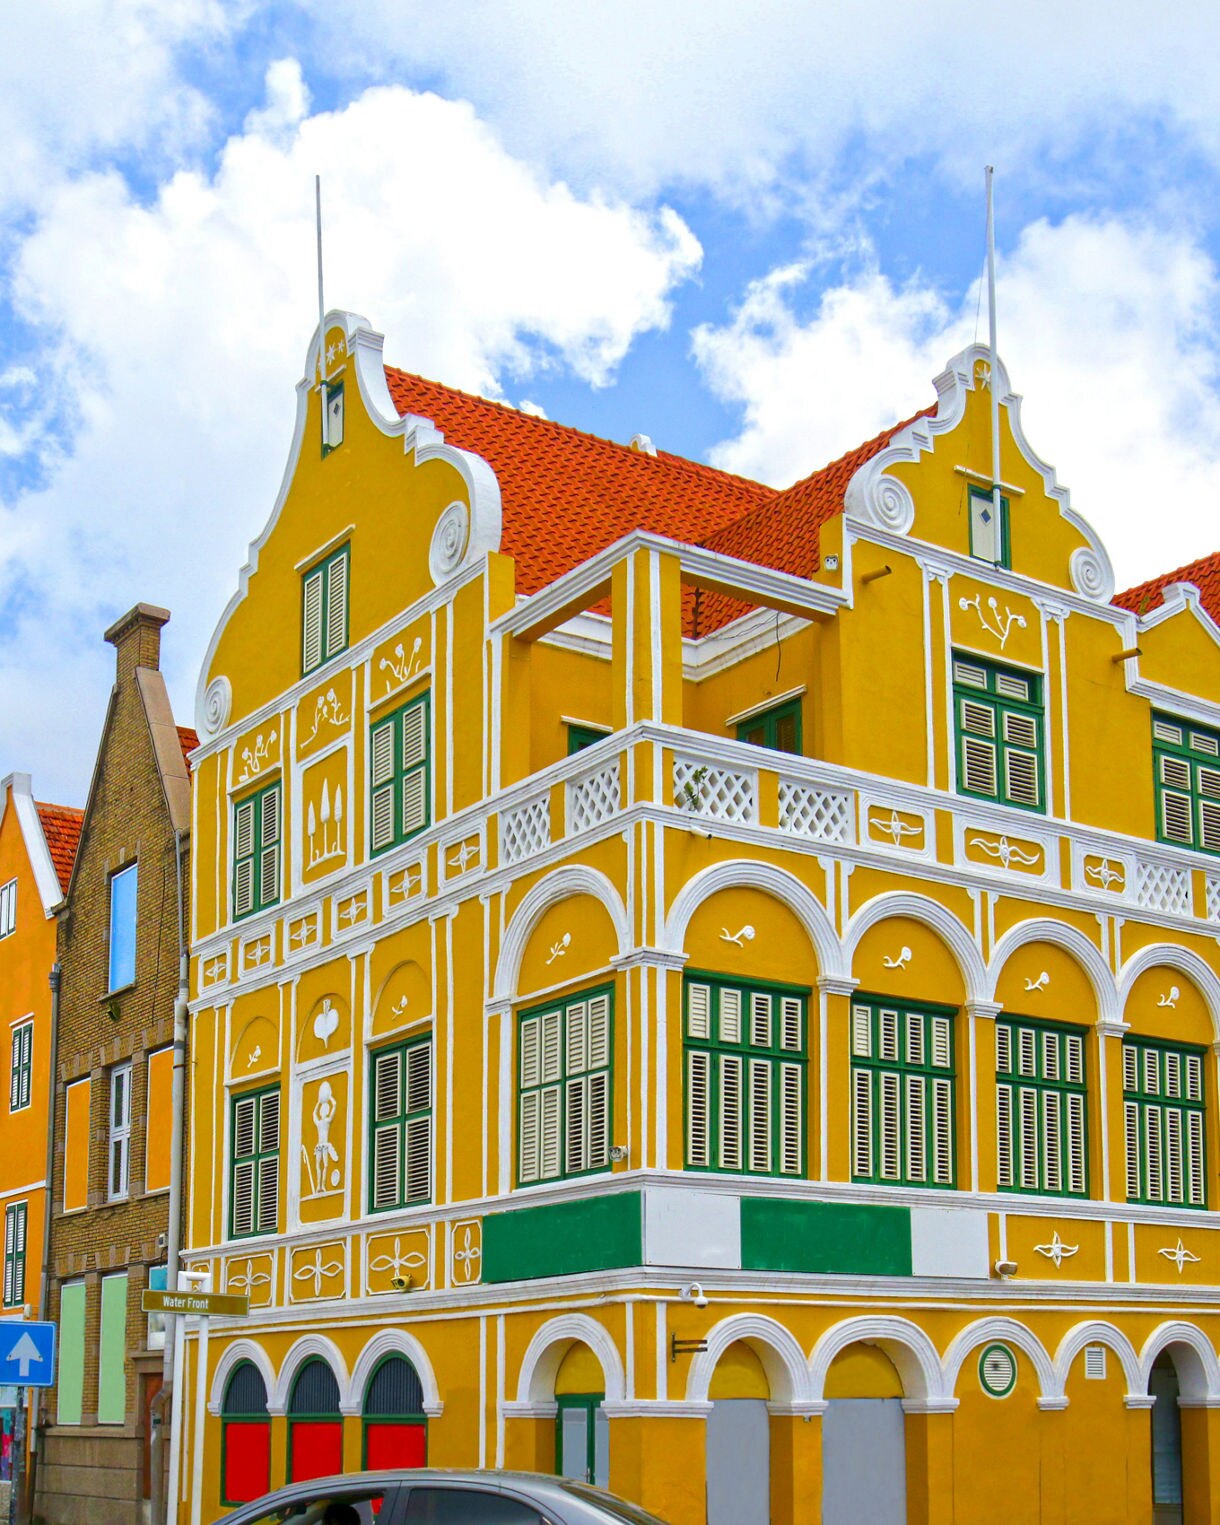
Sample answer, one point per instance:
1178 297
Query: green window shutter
399 765
324 610
745 1077
999 721
311 621
336 605
401 1148
14 1254
564 1118
1041 1108
257 833
70 1378
988 534
112 1352
1163 1109
254 1177
778 728
902 1090
1187 781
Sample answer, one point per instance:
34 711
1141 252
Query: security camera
618 1153
693 1293
1005 1268
401 1283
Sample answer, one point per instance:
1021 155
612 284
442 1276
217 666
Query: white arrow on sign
26 1354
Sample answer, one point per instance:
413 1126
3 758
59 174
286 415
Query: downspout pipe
44 1281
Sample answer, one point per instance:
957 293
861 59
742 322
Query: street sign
203 1304
27 1354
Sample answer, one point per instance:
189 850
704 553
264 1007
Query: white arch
232 1356
301 1351
1009 1331
391 1342
545 1352
782 1358
1194 1359
1171 956
748 873
907 1346
1073 942
1097 1332
572 879
939 918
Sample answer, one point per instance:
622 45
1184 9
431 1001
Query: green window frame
564 1087
582 736
984 538
778 728
582 1427
400 763
1164 1105
903 1094
15 1223
257 839
998 720
745 1059
1186 767
324 609
254 1163
21 1064
400 1128
1041 1108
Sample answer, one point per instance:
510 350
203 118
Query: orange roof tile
188 741
61 826
1204 573
566 495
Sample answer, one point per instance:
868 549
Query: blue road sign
27 1354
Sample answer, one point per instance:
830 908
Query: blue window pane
123 928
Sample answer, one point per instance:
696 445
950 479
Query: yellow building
705 987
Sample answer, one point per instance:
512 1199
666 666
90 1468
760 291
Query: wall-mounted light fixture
1005 1268
693 1293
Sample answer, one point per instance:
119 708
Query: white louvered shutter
1194 1078
550 1142
1027 1122
1021 783
387 1106
1173 1155
862 1031
978 746
1076 1145
916 1125
1052 1140
1196 1188
381 777
599 1120
1003 1047
790 1119
730 1016
1003 1118
269 857
575 1123
599 1032
942 1132
243 860
529 1131
551 1061
1050 1057
10 1250
1154 1153
269 1165
531 1052
887 1028
890 1127
698 1011
760 1115
1130 1068
1176 822
419 1159
760 1019
311 622
1073 1053
577 1038
862 1123
1209 808
1173 1075
414 762
336 605
1132 1116
730 1112
915 1037
244 1120
698 1115
942 1043
14 1081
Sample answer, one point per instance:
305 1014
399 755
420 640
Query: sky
753 232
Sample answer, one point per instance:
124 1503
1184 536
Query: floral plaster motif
406 1255
467 1253
317 1272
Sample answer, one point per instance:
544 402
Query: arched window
395 1429
245 1464
315 1426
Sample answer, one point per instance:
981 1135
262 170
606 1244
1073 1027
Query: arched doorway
395 1428
1166 1442
738 1440
315 1425
245 1431
863 1440
582 1430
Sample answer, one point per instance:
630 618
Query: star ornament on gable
1180 1255
1056 1250
982 373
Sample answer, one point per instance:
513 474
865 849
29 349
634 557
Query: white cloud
175 332
1108 328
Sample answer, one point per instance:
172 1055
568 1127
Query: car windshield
616 1509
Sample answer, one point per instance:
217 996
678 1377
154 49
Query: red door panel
316 1449
247 1462
395 1445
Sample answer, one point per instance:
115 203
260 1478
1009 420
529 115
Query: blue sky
753 233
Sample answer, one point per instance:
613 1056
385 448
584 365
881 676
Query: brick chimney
136 637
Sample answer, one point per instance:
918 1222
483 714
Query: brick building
119 948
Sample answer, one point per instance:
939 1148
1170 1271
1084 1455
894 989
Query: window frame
259 848
16 1243
583 734
256 1158
1012 1080
324 570
588 1404
1145 1101
1001 706
717 1049
769 721
875 1065
117 878
118 1133
8 907
570 1082
21 1065
393 784
987 494
331 391
1199 802
404 1116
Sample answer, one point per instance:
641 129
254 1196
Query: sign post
27 1359
193 1299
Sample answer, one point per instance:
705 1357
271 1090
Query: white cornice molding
19 788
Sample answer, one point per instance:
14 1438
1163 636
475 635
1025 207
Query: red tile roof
1204 573
61 826
567 495
188 741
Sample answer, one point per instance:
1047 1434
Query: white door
864 1470
738 1463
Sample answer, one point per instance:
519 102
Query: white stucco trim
544 1356
304 1349
231 1357
561 884
1185 961
776 1347
1001 1330
1098 1332
391 1342
1073 942
1194 1359
906 1344
959 940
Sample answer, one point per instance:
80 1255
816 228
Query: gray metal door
864 1471
738 1463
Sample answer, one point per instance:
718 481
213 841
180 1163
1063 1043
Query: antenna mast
995 396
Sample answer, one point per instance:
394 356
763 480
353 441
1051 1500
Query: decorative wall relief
1039 984
305 931
1016 854
404 884
323 1029
1170 997
325 808
403 1256
404 998
318 1272
898 828
560 948
251 1276
993 622
398 661
466 1253
351 911
215 970
461 855
321 1162
903 959
253 757
1056 1250
257 952
1180 1256
738 939
324 714
1105 873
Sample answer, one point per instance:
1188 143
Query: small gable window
989 531
998 715
332 416
1186 760
324 604
778 728
123 927
8 908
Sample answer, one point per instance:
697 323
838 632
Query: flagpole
995 395
317 188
